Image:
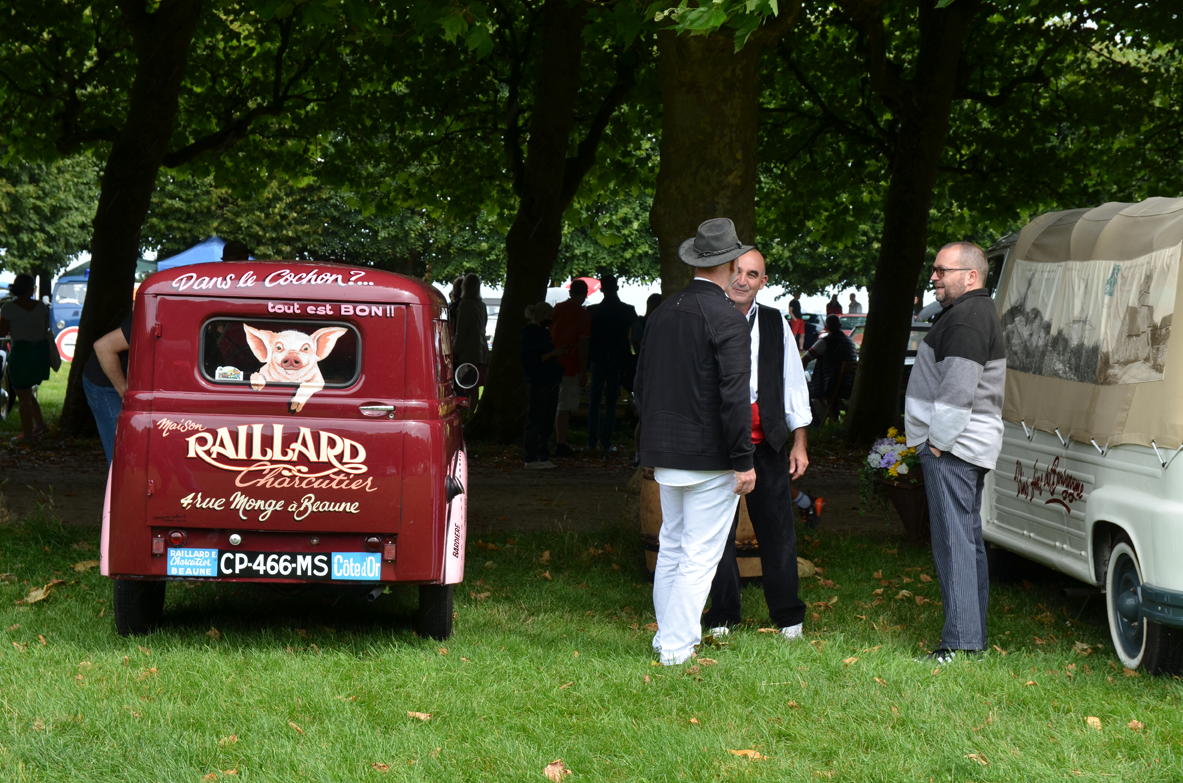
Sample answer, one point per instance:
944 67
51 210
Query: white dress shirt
797 411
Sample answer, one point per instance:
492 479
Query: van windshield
284 352
69 293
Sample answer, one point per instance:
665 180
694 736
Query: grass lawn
319 686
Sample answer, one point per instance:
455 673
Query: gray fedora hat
716 243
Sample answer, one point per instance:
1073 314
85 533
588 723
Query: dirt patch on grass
585 493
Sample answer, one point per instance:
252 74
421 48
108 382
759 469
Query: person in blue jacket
544 375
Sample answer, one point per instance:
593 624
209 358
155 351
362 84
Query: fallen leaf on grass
647 680
39 593
793 705
566 685
925 578
999 649
848 661
767 630
694 721
707 661
230 771
751 754
556 771
1094 722
380 766
297 728
877 591
906 580
1030 682
878 574
442 650
479 596
144 650
921 600
545 557
978 757
881 681
14 627
1082 648
147 673
43 642
209 777
420 716
224 741
594 552
1131 673
1135 725
214 633
85 565
903 594
546 575
650 626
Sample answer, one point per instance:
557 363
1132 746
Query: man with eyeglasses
953 418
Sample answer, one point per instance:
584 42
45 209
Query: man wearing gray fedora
692 388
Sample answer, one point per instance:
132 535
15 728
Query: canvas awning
1086 305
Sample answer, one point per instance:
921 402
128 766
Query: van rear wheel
139 605
435 611
1138 641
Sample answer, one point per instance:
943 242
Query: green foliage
45 212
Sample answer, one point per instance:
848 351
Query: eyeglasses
940 271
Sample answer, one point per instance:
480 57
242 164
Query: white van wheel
1138 641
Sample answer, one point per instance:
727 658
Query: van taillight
177 537
372 543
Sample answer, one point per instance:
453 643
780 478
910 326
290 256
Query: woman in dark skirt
543 375
27 321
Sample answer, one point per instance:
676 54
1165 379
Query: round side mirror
467 375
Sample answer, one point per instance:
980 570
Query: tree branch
576 168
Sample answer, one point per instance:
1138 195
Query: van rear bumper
1161 606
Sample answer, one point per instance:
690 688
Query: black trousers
772 512
542 402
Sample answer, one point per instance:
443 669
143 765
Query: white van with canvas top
1087 482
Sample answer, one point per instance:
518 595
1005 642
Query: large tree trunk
537 231
710 103
923 107
161 40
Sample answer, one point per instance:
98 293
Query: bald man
780 416
953 418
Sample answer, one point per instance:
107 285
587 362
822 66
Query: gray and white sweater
954 398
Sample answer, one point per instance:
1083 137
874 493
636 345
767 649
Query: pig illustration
292 357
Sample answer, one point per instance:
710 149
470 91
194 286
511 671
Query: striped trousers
954 489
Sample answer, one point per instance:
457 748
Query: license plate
321 566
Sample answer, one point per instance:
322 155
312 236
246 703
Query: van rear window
283 352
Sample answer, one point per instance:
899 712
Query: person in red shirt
834 307
570 329
797 324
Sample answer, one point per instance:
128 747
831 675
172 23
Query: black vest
770 398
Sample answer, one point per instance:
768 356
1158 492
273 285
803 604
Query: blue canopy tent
207 250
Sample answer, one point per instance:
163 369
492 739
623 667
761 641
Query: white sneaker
534 466
792 632
545 465
721 630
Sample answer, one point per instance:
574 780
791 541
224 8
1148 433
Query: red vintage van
287 422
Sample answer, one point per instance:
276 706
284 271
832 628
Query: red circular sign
65 343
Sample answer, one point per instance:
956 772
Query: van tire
139 605
435 611
1137 641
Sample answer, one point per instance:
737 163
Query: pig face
292 357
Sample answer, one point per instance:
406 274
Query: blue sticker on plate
361 566
192 562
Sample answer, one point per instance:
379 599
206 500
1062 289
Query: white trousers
695 522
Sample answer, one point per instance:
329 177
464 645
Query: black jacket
536 342
692 385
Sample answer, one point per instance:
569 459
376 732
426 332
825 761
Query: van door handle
377 410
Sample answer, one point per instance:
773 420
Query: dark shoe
812 513
563 450
942 656
609 449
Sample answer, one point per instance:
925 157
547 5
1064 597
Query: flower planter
911 502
